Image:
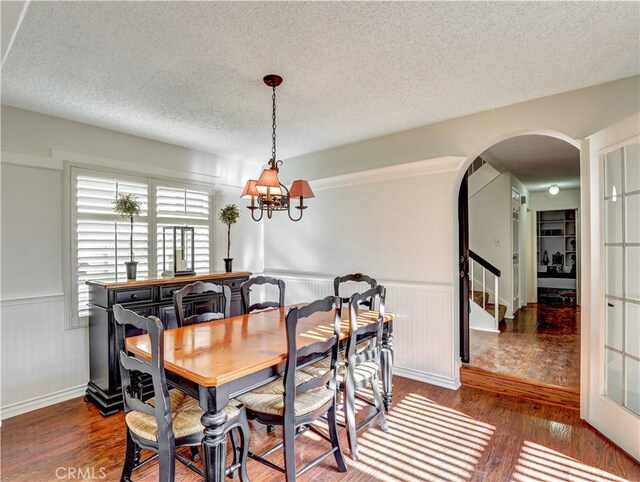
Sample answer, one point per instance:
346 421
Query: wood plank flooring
541 344
435 434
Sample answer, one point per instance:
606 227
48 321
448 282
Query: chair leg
350 419
235 443
129 458
335 439
195 455
289 435
244 456
377 398
167 456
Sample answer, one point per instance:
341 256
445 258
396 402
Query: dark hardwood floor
541 344
435 434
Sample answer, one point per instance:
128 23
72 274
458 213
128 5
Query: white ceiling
538 161
190 73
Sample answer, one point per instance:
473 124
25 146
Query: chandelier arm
253 215
289 213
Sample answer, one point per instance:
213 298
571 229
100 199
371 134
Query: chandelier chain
273 118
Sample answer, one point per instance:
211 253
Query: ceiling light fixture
268 194
554 189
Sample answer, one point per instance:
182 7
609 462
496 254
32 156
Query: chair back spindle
132 398
298 357
369 325
199 288
245 290
355 278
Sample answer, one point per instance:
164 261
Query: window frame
152 181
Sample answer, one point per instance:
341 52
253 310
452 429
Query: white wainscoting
42 363
423 339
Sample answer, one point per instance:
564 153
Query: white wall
39 357
575 114
490 225
35 134
41 362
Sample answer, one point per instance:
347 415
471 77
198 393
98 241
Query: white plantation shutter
102 237
177 206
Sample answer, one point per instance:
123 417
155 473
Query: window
100 238
178 206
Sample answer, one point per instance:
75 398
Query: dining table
218 360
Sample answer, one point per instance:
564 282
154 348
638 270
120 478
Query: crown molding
390 173
29 160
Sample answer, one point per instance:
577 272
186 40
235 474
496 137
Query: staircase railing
486 266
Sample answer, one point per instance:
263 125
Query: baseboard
430 378
40 402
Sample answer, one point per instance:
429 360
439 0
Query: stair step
502 310
478 295
529 390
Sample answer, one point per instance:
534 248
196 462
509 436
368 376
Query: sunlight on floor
429 442
537 463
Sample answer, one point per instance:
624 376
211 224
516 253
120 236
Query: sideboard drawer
166 292
234 284
133 296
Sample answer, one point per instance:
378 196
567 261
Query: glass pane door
622 276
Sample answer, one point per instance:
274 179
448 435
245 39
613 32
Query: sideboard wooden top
163 281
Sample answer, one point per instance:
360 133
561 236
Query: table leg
386 355
214 446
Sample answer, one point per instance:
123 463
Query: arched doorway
504 219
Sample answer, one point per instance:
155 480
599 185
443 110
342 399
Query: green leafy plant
128 206
229 215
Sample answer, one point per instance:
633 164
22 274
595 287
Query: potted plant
229 215
128 206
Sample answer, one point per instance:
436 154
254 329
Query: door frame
593 405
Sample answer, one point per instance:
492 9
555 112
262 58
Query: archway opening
519 263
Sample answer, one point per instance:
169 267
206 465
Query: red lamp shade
301 188
249 190
269 179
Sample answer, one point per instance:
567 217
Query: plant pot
228 263
132 268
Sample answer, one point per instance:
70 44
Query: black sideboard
153 296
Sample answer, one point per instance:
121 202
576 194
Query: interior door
515 211
613 357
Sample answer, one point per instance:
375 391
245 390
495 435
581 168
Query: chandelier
268 194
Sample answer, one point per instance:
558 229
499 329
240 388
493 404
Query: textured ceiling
190 73
538 161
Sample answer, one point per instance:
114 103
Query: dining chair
361 363
245 290
170 419
356 278
216 303
295 400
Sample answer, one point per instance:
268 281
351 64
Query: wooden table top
218 352
158 280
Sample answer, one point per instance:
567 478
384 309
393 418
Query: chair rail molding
423 339
30 299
